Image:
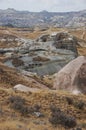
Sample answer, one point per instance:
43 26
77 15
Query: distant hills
14 18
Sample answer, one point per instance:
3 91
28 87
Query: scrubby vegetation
19 104
59 117
69 100
78 104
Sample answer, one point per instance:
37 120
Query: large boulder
73 76
80 78
23 88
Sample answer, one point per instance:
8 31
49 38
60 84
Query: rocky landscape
14 18
42 78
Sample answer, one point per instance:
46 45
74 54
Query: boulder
80 78
72 77
24 88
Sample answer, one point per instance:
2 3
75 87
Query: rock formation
73 76
80 78
66 41
23 88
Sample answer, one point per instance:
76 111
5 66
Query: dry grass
82 51
13 120
10 77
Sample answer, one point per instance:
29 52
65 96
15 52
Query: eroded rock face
44 38
44 56
66 41
80 79
73 76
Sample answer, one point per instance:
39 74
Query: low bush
36 108
16 99
60 118
79 105
18 103
69 100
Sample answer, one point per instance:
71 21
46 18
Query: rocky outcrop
73 76
45 56
44 38
23 88
63 40
80 78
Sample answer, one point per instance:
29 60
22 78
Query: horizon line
43 10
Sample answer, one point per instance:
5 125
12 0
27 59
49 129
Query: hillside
14 18
30 59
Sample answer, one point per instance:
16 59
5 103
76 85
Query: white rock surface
64 79
24 88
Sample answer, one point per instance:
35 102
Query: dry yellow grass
12 119
10 77
82 51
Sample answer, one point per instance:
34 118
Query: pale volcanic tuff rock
72 77
23 88
80 79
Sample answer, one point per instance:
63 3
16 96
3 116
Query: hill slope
11 17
